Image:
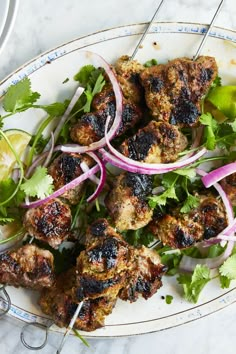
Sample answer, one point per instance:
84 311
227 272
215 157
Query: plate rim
54 49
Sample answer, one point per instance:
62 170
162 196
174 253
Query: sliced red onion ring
214 176
196 138
65 116
102 177
84 167
187 263
130 165
98 61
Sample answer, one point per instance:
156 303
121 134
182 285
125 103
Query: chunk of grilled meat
174 91
50 222
126 201
91 126
58 303
29 266
128 74
158 142
64 169
179 230
145 277
229 186
98 230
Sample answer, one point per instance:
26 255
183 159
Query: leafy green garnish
193 284
168 299
138 237
170 259
168 181
81 337
19 96
211 127
228 268
150 63
93 81
40 185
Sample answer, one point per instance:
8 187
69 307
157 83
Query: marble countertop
41 25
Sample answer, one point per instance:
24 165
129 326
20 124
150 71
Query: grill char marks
174 91
49 222
158 142
179 230
29 266
126 202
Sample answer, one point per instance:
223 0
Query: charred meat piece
91 126
99 230
145 277
126 202
229 186
184 230
58 303
29 267
128 74
158 142
50 222
174 91
64 169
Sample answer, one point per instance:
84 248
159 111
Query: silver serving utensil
146 31
6 300
44 327
208 31
70 327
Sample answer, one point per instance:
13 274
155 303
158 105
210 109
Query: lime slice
19 140
224 98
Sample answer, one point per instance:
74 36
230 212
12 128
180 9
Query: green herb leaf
188 172
170 259
5 221
55 109
209 132
190 203
81 337
168 299
228 268
162 198
84 74
224 282
19 96
150 63
40 185
194 284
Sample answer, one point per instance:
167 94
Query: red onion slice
218 174
102 177
130 165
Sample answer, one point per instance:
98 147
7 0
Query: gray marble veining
43 24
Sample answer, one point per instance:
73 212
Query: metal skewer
7 301
146 31
70 327
208 31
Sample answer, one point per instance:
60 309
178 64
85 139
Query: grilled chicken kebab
109 268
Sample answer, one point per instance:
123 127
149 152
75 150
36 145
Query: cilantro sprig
40 184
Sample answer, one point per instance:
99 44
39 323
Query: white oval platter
47 72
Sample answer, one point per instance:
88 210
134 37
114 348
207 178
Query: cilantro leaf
39 185
55 109
193 284
19 96
210 129
4 221
138 237
170 259
162 198
190 203
228 268
169 299
189 172
150 63
84 74
90 93
224 282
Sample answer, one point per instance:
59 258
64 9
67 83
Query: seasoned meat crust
229 186
145 277
158 142
173 91
126 202
50 222
58 303
179 230
64 169
29 267
108 268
